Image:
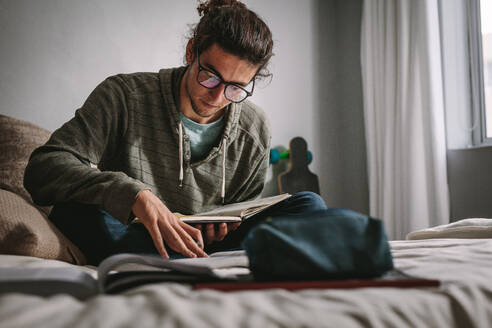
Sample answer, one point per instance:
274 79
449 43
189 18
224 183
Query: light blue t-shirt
203 137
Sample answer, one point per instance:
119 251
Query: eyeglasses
210 80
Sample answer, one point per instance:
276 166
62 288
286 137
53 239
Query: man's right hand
163 225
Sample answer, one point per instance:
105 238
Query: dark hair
236 29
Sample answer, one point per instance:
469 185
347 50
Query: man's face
207 104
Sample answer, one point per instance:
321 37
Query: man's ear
190 54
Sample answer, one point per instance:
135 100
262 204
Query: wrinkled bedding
464 298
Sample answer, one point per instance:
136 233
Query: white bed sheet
464 299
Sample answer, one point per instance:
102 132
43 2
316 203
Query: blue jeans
99 235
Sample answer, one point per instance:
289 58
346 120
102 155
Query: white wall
54 52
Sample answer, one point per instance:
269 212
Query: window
480 37
486 33
466 48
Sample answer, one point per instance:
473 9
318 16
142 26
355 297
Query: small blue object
276 156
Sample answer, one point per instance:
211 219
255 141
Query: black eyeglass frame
201 68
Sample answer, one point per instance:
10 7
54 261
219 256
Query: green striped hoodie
125 138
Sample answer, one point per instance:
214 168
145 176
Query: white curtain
404 114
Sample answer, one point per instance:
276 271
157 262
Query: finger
179 240
173 237
190 243
221 232
156 236
195 233
210 232
233 226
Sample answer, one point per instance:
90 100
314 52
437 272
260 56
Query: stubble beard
198 111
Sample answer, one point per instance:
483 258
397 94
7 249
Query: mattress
464 299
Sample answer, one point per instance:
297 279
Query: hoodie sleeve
65 168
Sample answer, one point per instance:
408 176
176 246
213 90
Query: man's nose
218 93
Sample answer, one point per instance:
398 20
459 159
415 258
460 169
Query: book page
254 210
239 209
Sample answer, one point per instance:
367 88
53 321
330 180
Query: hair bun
205 7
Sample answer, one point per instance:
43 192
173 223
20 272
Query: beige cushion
25 230
18 139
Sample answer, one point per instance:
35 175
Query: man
147 145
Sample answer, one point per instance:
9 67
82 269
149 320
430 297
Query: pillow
18 139
466 228
25 230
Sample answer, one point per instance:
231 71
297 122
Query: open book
236 212
123 271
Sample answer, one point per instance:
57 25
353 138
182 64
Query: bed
464 298
463 265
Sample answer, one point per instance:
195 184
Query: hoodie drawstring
180 154
222 192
